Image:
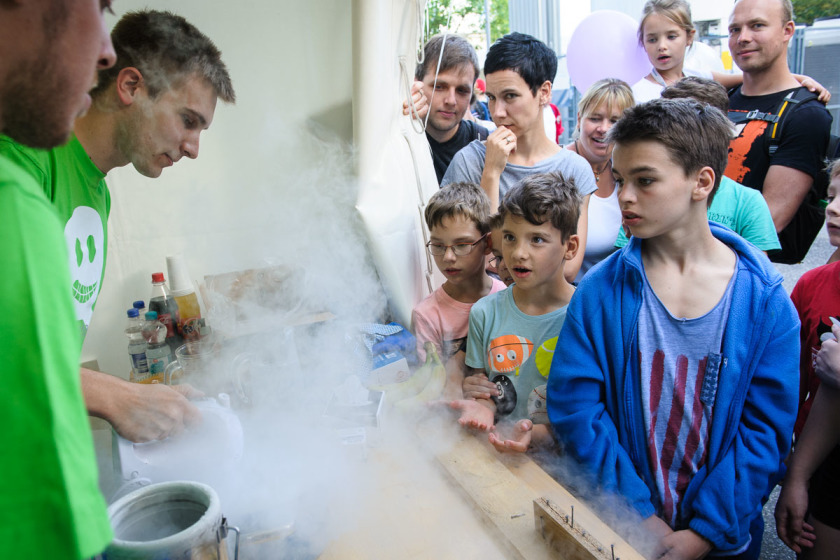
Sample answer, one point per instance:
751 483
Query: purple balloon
605 45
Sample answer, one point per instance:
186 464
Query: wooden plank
566 535
501 498
562 500
505 486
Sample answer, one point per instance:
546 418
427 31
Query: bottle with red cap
162 302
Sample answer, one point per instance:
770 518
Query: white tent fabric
394 165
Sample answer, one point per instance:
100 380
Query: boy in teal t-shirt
512 333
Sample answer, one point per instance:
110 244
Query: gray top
468 164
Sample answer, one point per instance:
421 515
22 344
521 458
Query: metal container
171 520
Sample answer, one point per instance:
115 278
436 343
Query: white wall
234 207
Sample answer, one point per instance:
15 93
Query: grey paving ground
772 548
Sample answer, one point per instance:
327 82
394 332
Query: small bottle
136 347
167 310
157 350
183 291
140 306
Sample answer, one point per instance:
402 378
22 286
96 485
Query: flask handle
170 370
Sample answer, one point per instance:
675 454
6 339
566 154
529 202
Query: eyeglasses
495 261
460 249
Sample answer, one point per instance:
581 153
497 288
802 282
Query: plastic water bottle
157 351
140 306
136 347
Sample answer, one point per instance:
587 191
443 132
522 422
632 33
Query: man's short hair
545 197
167 50
529 57
701 89
459 199
787 10
694 134
457 52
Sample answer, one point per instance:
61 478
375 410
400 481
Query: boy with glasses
458 217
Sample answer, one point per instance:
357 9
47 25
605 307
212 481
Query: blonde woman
599 109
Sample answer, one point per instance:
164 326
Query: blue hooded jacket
595 406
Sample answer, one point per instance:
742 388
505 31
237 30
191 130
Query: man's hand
419 100
479 387
139 412
683 545
156 411
475 415
517 441
827 362
790 516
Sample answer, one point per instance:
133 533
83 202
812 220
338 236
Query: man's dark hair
545 197
457 52
701 89
166 49
694 134
529 57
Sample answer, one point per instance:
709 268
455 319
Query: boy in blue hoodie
677 385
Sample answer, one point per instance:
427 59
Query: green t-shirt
741 209
78 191
50 504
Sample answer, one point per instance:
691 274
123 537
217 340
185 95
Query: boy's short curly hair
464 199
545 197
701 89
694 135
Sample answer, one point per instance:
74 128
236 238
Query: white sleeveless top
604 219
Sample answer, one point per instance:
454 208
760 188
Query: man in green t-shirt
50 504
148 110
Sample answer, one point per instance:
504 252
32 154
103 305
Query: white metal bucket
179 520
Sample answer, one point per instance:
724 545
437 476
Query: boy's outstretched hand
478 386
683 545
519 440
790 516
473 414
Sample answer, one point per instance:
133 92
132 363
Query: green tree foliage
806 11
453 13
499 19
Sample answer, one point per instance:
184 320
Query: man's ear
129 82
788 30
704 185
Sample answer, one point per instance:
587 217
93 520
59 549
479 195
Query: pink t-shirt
444 321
